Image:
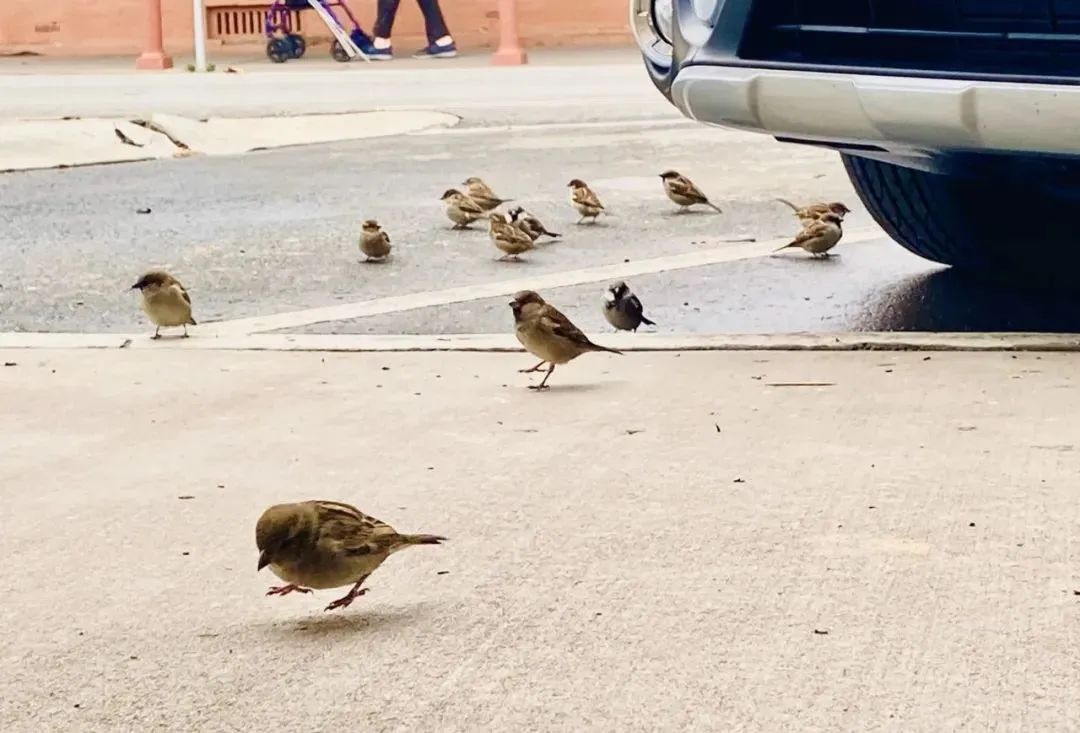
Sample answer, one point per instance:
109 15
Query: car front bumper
887 113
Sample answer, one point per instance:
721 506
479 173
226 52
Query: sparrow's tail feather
647 322
421 539
718 209
556 235
785 201
789 244
191 321
598 347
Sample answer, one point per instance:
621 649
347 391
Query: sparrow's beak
264 560
134 287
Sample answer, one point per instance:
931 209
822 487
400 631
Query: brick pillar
509 52
153 56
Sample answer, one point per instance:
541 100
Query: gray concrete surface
662 542
271 232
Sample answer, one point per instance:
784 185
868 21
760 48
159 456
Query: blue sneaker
435 51
378 54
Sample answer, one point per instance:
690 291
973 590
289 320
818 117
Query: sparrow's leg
351 596
157 333
534 369
543 382
581 219
185 331
284 590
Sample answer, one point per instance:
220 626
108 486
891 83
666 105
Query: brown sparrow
819 236
683 192
374 242
584 200
509 239
813 212
529 224
548 334
461 209
482 194
327 544
623 309
165 300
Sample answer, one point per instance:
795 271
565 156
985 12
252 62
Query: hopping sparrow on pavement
585 201
820 236
623 309
327 544
547 334
374 242
165 301
683 192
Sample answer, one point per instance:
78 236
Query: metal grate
1036 38
244 22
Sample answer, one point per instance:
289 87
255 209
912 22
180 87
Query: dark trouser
433 19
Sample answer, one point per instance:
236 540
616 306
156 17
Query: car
958 121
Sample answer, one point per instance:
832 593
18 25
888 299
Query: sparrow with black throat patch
327 544
374 242
482 194
510 240
585 201
461 209
165 301
819 236
529 224
548 335
623 309
683 192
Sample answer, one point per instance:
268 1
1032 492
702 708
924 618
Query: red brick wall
88 27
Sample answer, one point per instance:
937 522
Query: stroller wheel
338 52
297 45
278 50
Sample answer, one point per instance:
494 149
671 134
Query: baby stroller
284 44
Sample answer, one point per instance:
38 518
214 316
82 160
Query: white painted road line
394 304
506 342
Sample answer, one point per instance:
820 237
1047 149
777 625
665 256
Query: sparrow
622 309
683 192
529 224
584 200
548 334
511 240
165 300
327 544
461 209
482 194
813 212
374 242
819 236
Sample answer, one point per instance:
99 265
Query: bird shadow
355 620
573 388
829 261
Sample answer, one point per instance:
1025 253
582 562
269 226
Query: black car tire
992 224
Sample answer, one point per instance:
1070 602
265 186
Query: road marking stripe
394 304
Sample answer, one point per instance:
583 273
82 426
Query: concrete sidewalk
664 541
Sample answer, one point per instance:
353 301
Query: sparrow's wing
813 231
552 319
685 187
634 307
586 197
469 206
344 528
183 293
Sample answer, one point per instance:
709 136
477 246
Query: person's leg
384 22
440 42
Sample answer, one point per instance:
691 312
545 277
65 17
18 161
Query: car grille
1014 38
